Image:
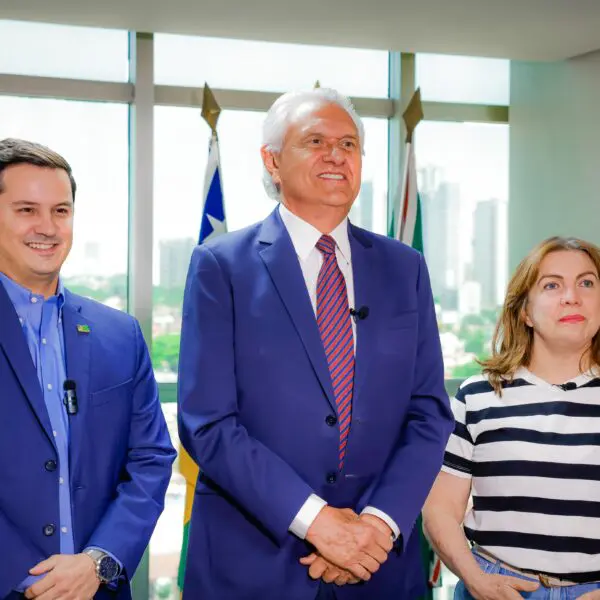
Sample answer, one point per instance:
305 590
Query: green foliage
464 371
165 352
475 341
107 287
172 297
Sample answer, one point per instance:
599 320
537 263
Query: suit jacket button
49 529
330 420
50 465
331 477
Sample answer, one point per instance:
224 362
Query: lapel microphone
566 387
360 314
70 397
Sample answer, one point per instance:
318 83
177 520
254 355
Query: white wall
554 152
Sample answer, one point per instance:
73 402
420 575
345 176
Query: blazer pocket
108 394
398 333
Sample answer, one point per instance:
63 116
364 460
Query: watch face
108 569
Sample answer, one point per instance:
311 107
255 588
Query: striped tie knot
326 245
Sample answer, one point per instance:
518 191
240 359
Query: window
93 138
269 67
179 185
463 79
463 182
63 51
165 544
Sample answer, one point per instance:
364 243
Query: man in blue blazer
85 455
311 387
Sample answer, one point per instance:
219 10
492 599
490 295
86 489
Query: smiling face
563 305
36 225
319 164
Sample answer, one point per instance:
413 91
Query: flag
407 226
212 224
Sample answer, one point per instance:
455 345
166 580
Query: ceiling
517 29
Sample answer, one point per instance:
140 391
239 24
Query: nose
46 224
334 154
571 295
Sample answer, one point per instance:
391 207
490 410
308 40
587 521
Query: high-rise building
174 261
486 251
440 201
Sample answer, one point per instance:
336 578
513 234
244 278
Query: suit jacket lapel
279 256
77 356
367 285
14 343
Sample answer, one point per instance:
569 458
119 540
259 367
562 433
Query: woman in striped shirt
526 446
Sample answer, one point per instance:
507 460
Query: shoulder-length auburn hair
512 343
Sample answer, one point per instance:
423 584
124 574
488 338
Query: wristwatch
107 568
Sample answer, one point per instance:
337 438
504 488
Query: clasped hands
348 548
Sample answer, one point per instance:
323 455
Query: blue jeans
570 592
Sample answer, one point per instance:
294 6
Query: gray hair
282 113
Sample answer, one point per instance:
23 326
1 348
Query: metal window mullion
168 95
401 88
465 113
141 164
65 89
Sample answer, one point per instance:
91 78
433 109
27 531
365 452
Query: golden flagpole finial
413 115
210 109
317 84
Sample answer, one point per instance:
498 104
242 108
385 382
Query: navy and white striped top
533 456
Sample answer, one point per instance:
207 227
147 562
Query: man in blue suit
311 387
85 455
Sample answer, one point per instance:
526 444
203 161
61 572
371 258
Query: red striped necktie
335 326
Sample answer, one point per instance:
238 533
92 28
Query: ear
271 162
525 317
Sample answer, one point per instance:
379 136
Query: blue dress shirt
41 321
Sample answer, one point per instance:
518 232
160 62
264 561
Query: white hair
282 113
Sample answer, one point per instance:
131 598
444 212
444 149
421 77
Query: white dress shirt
304 239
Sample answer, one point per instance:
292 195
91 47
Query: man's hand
319 568
349 542
499 587
69 577
378 523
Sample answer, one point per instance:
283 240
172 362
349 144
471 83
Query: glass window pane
63 51
93 138
463 182
266 66
463 79
165 544
179 185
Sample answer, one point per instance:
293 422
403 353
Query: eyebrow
67 203
318 134
554 276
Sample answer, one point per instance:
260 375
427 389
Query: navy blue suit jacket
120 452
254 394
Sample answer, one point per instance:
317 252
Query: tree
165 352
467 370
475 341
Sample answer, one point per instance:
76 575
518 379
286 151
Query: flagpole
212 224
401 203
412 116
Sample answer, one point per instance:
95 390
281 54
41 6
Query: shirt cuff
371 510
306 515
28 582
